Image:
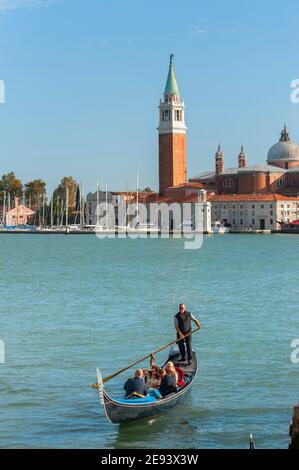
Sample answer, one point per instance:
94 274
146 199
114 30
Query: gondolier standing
182 323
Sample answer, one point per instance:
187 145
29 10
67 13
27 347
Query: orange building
280 174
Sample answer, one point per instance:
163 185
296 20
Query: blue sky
84 78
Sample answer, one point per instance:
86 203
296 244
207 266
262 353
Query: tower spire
171 87
285 136
219 160
242 161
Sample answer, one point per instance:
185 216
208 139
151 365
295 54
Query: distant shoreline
121 234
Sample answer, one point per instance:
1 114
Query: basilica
279 175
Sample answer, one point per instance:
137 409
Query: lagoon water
69 304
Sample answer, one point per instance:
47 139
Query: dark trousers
181 343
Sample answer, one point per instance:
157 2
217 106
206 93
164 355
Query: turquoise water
69 304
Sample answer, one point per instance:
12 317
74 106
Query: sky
83 80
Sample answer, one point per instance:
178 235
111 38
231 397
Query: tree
60 195
35 191
148 190
12 185
70 183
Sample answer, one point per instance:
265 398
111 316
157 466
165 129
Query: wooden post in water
294 429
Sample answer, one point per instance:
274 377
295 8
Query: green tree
12 185
70 183
148 190
35 191
60 195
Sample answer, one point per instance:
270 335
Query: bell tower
219 161
172 135
242 161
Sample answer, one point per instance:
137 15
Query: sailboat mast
80 205
4 209
137 197
52 211
67 207
97 207
106 222
44 219
83 207
57 210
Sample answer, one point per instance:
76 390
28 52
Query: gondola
124 410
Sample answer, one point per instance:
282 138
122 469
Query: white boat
187 225
219 228
146 227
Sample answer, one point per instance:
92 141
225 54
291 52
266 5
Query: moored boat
219 228
288 227
122 410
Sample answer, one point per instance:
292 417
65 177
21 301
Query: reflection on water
155 430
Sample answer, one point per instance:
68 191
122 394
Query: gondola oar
109 377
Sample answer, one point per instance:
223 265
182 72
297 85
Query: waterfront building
244 196
19 215
186 199
92 199
254 211
114 199
255 197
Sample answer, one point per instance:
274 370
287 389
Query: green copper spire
171 84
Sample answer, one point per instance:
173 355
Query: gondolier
182 323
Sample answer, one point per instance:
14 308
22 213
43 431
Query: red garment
181 375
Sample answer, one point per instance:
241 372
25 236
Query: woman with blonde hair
168 380
170 369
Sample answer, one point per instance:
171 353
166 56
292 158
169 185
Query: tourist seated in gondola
177 373
136 387
170 369
152 375
168 382
152 378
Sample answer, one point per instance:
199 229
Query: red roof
251 197
189 184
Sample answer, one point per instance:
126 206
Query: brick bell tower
172 135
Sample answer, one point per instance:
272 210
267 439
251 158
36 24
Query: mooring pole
294 429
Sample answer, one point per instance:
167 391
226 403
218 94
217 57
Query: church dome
284 149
